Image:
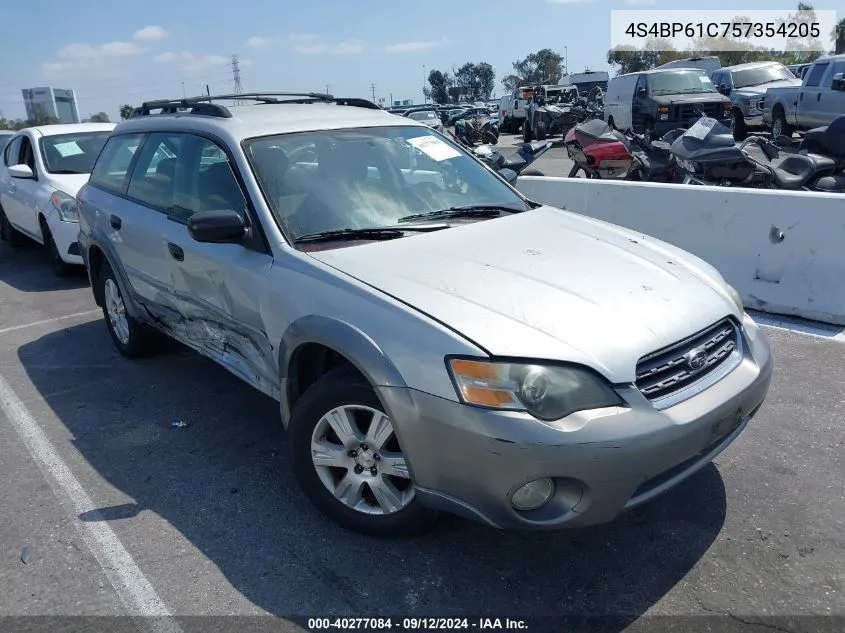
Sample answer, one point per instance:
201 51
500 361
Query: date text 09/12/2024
415 624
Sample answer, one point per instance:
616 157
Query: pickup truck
816 102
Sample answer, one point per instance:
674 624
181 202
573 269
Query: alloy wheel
358 459
116 311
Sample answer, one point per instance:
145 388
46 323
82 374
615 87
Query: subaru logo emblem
696 359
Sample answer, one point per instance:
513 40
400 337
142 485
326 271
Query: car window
369 177
112 166
680 82
72 153
817 73
13 152
204 180
27 154
838 67
153 180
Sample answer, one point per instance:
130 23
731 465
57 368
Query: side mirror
838 82
21 171
508 174
725 89
641 92
217 227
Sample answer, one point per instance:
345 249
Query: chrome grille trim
665 378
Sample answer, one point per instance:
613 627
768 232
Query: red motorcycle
603 152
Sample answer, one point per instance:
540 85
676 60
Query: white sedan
43 169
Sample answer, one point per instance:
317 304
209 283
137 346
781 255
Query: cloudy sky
115 53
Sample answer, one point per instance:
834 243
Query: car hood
706 97
547 284
69 183
756 91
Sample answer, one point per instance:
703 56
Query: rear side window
153 180
112 167
816 74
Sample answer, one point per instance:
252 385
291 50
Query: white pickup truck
816 102
512 109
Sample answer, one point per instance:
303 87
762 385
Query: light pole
425 98
183 89
566 60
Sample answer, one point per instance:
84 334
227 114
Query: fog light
534 494
664 117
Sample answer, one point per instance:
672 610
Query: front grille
690 110
668 371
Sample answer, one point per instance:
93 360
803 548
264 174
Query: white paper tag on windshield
434 147
701 129
704 79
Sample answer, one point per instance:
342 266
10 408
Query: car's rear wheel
738 128
132 338
347 458
8 233
779 125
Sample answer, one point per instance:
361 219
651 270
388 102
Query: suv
436 341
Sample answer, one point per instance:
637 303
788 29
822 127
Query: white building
50 102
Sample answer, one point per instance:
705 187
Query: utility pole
183 90
327 89
373 88
425 99
236 76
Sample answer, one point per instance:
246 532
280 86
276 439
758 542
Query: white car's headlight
735 296
65 205
548 392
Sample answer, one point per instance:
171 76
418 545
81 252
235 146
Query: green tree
5 124
542 67
628 59
839 35
486 79
126 111
440 83
100 117
466 78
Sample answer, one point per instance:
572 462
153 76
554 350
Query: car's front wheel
60 267
132 338
347 458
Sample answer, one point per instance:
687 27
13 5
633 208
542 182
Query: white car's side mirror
21 171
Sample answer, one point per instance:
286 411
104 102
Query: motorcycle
527 154
708 155
603 152
477 130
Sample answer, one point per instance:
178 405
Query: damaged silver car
436 341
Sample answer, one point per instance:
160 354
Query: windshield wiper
68 171
374 233
473 210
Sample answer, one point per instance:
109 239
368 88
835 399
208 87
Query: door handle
800 96
115 222
176 252
819 97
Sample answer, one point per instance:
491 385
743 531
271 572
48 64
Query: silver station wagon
436 341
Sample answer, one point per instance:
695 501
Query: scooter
527 154
708 155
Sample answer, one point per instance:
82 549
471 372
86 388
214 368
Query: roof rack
203 104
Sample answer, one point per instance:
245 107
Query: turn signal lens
485 384
663 109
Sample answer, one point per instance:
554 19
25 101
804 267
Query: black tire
532 172
60 267
8 233
344 386
574 171
541 131
738 127
488 138
648 128
142 340
779 125
611 123
527 135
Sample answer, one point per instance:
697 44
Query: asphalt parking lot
162 487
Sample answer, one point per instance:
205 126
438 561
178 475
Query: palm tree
126 111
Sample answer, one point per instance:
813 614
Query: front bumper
66 237
470 461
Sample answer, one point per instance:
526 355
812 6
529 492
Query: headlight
737 299
65 205
547 392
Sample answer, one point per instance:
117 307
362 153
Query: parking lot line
135 591
46 321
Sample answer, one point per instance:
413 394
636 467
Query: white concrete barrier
784 251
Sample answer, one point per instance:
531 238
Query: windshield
72 153
369 177
680 82
422 116
757 76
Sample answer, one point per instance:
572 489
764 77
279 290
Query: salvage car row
436 340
